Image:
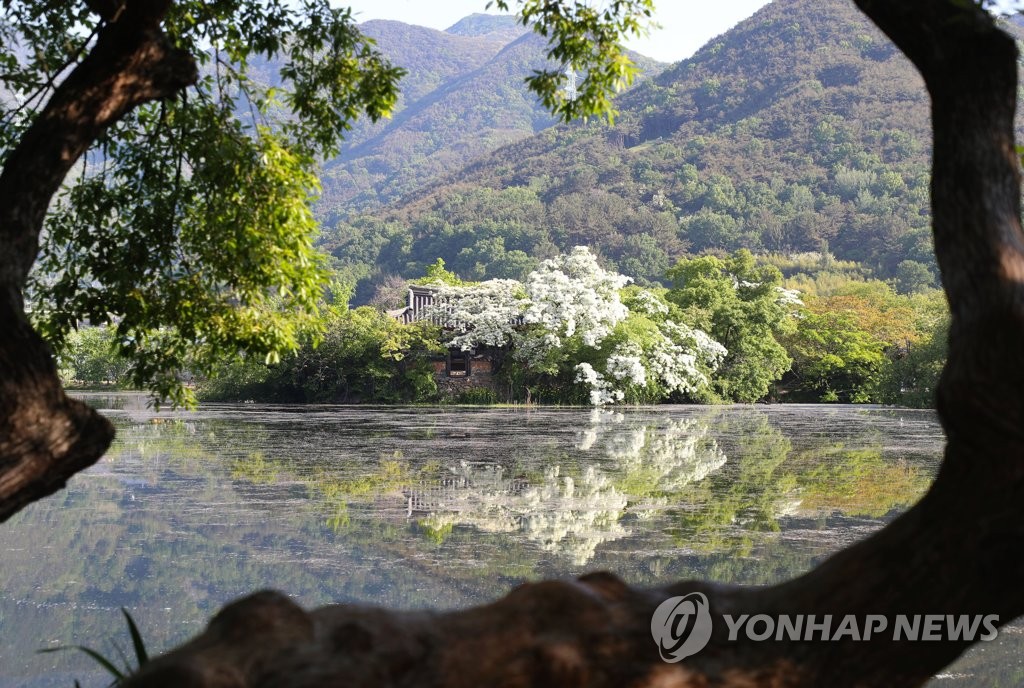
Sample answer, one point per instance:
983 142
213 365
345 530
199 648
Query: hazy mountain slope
471 110
800 129
501 27
468 114
430 58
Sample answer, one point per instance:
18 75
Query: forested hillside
462 96
802 129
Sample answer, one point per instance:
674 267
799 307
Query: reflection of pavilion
450 491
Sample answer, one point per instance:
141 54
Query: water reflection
435 507
572 505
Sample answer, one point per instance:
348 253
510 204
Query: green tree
913 375
739 304
219 258
187 221
835 360
90 356
363 355
436 273
913 277
849 338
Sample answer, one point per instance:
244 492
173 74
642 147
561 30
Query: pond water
443 507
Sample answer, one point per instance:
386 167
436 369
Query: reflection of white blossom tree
572 513
564 514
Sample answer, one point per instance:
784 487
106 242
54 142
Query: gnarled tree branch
45 437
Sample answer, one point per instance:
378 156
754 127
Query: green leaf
141 656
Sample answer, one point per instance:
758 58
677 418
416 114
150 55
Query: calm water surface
418 507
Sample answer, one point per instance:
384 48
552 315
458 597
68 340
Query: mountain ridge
443 120
489 25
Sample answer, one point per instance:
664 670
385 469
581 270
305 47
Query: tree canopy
187 223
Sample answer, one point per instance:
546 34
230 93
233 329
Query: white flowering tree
650 356
573 337
573 295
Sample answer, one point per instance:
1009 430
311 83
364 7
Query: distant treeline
801 327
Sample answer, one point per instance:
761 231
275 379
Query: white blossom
601 391
647 303
572 293
789 297
573 296
484 314
626 364
706 348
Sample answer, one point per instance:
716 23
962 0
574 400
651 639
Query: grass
118 674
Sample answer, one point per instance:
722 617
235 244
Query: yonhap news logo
681 627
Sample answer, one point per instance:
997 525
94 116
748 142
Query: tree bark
959 551
45 437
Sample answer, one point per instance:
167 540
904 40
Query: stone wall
481 376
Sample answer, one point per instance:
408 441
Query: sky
686 25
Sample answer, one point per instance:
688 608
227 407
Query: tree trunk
959 551
45 437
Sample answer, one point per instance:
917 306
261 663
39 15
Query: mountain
801 129
501 27
463 96
431 58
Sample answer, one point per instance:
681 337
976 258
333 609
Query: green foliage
915 369
89 356
862 342
811 265
436 274
481 396
850 341
189 226
913 277
773 139
737 302
586 38
216 263
363 355
836 360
